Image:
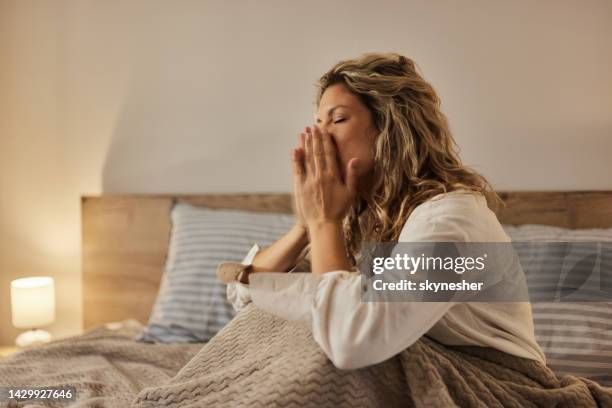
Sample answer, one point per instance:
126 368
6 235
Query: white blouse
355 334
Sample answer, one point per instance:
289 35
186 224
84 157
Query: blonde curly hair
415 154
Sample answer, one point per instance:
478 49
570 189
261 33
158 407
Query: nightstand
6 351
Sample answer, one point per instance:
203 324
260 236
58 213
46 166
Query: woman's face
350 124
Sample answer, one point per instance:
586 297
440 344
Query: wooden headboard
125 238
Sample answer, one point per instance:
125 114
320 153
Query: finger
309 165
317 147
331 158
352 175
302 141
298 165
298 177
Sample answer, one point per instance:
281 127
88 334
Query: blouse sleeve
238 293
352 333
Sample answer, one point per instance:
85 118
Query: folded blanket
106 366
260 360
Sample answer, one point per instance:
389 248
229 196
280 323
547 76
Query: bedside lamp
32 307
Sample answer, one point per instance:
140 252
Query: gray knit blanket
259 360
105 365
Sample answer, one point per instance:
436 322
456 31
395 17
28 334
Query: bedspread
259 360
106 366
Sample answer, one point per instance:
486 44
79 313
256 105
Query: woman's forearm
281 255
328 248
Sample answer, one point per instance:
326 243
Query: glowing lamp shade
33 306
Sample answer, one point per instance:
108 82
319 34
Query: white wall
159 96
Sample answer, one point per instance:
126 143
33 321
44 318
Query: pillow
191 305
576 337
541 262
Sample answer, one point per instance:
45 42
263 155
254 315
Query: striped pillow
575 336
191 305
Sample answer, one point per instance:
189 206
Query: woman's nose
324 129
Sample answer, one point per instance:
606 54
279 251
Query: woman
381 165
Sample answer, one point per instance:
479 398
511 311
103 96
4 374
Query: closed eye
339 120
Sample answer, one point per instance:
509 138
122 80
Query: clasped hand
320 194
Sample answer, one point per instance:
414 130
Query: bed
125 241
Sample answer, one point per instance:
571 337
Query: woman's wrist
325 229
328 247
326 225
300 227
301 230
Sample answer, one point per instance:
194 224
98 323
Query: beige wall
152 96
